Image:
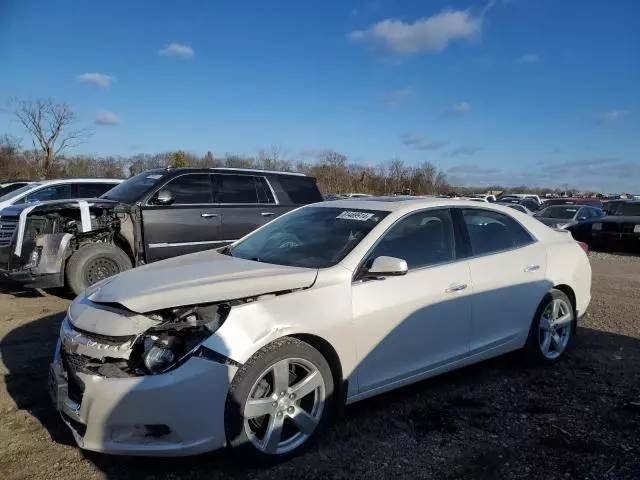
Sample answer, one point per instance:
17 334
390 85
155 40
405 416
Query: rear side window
301 190
93 190
491 231
194 188
241 189
55 192
421 239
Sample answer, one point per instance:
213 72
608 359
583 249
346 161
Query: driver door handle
532 268
456 287
208 215
267 214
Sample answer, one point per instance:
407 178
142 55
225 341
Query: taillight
584 247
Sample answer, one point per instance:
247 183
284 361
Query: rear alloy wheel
279 401
552 328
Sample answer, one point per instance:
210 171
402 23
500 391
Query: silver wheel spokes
284 406
555 328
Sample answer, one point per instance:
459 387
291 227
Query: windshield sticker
359 216
154 176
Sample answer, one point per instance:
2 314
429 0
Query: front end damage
37 240
152 383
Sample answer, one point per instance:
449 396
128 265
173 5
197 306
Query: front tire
279 402
95 262
552 328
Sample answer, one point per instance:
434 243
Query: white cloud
95 78
460 109
613 116
177 50
394 99
529 58
429 34
419 142
107 118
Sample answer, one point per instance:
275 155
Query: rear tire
93 263
279 402
552 329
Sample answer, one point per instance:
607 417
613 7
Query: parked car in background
517 206
486 198
619 231
611 206
529 203
524 195
155 215
62 189
257 345
592 202
565 216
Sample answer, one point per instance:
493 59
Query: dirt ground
579 419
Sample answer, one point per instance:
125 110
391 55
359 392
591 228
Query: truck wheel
95 262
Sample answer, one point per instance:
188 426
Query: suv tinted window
189 189
301 190
491 231
422 239
55 192
238 189
93 190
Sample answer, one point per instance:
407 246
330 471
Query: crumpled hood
197 278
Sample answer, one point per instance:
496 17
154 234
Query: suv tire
93 263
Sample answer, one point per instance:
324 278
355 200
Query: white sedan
255 345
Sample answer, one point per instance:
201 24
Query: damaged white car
256 345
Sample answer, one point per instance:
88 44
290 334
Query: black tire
532 350
94 262
243 383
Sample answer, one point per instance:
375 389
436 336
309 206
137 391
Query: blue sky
543 92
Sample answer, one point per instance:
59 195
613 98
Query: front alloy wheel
279 401
551 329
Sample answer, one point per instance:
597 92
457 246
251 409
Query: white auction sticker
360 216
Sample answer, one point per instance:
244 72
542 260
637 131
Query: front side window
628 209
190 189
421 239
491 231
312 237
55 192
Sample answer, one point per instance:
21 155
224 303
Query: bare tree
48 123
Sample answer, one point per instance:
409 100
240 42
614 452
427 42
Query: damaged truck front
70 242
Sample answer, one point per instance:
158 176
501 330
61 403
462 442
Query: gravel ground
579 419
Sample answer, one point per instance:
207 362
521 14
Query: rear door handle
267 214
532 268
456 287
208 215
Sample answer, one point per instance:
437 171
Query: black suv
152 216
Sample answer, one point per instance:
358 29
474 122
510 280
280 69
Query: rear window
301 190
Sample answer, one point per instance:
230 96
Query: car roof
79 180
225 169
403 203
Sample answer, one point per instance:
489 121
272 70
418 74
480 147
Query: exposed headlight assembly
183 329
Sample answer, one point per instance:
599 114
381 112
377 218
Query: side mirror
388 267
163 197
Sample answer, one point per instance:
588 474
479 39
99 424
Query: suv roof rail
256 170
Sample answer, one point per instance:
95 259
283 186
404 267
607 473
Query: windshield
312 237
18 192
130 191
628 209
558 212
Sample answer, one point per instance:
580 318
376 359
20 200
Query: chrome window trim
273 193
